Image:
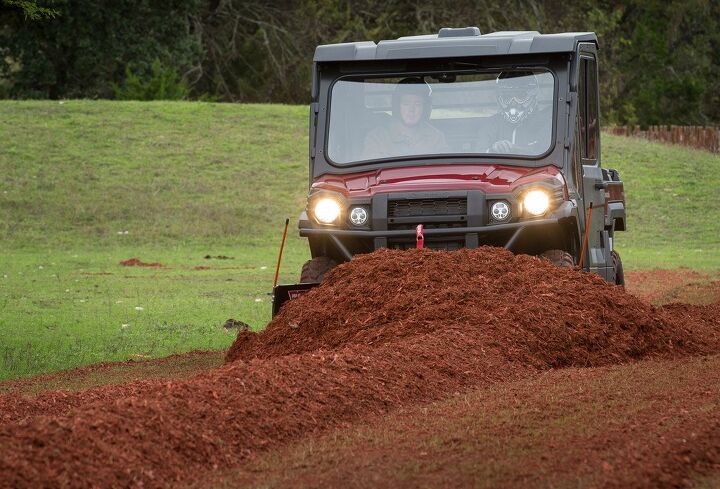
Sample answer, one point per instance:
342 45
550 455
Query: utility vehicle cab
459 139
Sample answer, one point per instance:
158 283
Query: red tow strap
419 236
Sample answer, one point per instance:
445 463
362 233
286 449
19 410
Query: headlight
358 216
536 202
326 210
500 211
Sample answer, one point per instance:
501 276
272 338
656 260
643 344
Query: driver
409 132
519 127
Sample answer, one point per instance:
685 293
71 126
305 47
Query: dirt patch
201 267
698 293
385 331
136 262
677 285
231 324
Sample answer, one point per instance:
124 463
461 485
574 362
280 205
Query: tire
313 271
559 258
617 265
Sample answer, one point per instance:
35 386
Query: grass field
673 203
86 184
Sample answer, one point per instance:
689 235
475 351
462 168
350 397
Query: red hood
489 178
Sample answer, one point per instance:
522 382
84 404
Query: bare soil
678 285
137 262
387 333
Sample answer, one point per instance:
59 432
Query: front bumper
512 236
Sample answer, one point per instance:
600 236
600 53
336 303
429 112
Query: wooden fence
707 138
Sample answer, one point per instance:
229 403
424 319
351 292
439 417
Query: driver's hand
503 146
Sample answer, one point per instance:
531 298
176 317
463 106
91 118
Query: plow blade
283 293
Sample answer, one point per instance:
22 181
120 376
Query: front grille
437 225
448 244
427 207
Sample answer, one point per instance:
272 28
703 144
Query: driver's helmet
517 94
413 86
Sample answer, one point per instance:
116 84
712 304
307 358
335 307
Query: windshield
501 112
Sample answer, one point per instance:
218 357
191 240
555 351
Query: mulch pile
157 433
524 307
389 329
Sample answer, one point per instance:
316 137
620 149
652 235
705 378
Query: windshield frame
505 157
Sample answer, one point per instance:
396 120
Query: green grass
673 203
86 184
61 309
171 174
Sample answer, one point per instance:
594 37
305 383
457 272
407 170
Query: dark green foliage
162 83
86 48
672 69
31 9
660 60
262 51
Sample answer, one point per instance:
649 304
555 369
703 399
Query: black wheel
617 265
313 271
559 258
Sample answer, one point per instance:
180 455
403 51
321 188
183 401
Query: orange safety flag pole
282 245
585 239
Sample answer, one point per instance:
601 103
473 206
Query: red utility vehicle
459 140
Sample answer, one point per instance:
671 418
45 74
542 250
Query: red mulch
526 308
389 329
156 433
96 374
650 424
136 262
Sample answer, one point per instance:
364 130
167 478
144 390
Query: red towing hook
419 236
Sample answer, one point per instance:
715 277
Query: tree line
660 59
